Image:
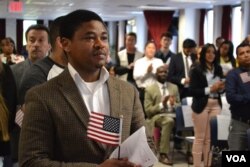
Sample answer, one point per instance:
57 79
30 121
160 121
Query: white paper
189 101
136 149
223 122
187 116
225 106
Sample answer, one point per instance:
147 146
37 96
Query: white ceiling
108 9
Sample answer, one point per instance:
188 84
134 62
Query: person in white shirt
145 69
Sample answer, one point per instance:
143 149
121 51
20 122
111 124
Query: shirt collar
76 76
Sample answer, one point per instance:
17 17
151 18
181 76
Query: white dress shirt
94 94
140 74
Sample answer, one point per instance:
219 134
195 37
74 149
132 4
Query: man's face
37 44
88 49
165 42
189 51
130 41
150 50
161 74
243 56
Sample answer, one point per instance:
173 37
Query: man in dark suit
54 130
179 69
180 66
38 46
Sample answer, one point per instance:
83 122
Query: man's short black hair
241 45
72 21
133 35
54 28
189 43
167 35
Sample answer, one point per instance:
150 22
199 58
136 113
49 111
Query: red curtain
158 22
226 28
202 18
19 35
2 28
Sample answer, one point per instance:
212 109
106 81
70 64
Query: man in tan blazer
54 131
160 100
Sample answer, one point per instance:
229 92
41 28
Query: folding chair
248 139
180 127
218 144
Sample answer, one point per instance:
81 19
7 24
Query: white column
245 18
112 32
11 28
141 32
121 33
188 26
112 29
217 21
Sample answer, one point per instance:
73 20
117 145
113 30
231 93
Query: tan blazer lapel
73 96
115 106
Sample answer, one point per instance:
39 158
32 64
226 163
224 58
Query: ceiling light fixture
151 7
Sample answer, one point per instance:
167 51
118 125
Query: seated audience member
9 55
164 53
126 59
205 87
238 96
54 130
161 98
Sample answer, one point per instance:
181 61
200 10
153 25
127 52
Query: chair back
218 141
248 138
180 126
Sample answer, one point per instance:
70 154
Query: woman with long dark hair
225 56
206 84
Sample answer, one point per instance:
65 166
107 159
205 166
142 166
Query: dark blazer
198 83
160 55
19 69
177 70
54 130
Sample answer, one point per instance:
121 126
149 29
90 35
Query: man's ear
65 43
58 42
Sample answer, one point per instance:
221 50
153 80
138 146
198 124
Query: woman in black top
205 86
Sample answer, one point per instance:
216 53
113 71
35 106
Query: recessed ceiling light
150 7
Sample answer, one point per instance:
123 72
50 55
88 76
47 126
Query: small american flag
104 129
19 117
245 77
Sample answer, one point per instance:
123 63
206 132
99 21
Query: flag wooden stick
120 140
